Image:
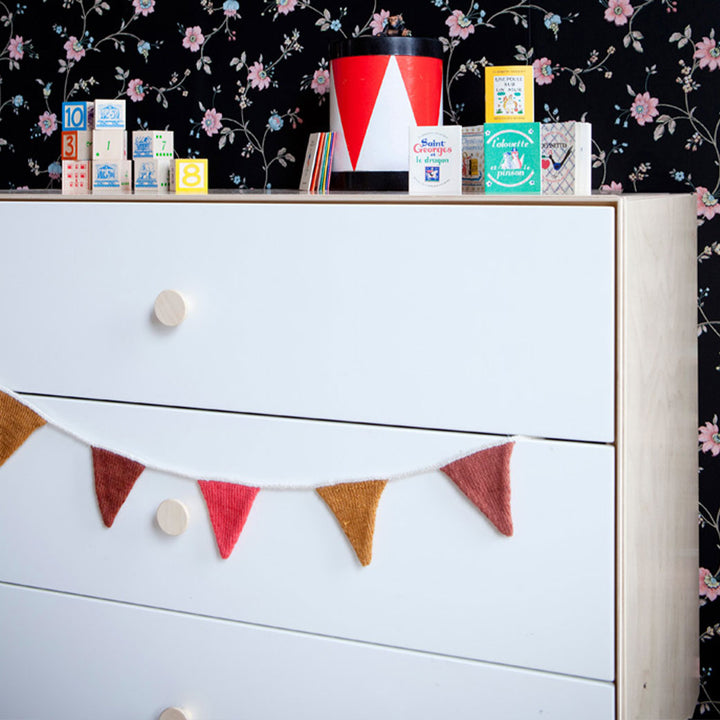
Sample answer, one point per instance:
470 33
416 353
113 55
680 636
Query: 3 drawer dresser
333 339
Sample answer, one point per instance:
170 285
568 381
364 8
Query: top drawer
484 318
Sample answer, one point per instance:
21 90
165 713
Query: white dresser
335 339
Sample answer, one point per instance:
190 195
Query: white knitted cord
166 470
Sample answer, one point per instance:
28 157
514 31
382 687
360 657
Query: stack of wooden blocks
95 155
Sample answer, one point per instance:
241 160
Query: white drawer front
491 319
67 658
442 578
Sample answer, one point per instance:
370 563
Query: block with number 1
189 176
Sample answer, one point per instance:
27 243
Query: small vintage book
566 151
473 159
309 164
509 93
512 158
435 160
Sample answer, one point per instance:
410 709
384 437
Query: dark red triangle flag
423 81
229 505
115 476
484 477
357 81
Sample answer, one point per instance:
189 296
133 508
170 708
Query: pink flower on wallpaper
613 187
618 11
144 7
321 81
47 123
73 47
644 108
709 586
707 207
542 71
211 121
136 90
16 48
708 436
707 53
193 38
379 21
460 25
258 76
285 6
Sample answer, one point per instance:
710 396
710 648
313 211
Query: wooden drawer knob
172 518
170 308
173 713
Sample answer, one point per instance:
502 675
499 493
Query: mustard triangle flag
484 477
17 423
115 476
355 506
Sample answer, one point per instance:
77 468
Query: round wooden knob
170 308
173 713
172 518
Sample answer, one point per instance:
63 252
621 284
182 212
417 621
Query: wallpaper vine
243 83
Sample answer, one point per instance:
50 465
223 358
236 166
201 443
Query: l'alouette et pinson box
512 158
435 161
566 158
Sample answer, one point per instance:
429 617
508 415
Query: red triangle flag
357 81
484 477
229 505
115 476
423 81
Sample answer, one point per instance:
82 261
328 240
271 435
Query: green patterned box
512 158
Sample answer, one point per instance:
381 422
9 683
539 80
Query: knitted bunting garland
355 506
483 476
17 423
115 476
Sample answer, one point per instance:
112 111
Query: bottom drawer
77 658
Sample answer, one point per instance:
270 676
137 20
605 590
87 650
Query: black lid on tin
381 45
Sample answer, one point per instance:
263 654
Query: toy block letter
75 116
76 177
109 144
110 114
111 177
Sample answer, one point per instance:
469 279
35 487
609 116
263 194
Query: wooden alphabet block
76 177
112 177
77 145
109 145
110 114
77 115
152 176
152 144
190 176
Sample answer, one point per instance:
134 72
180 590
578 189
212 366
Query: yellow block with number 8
191 176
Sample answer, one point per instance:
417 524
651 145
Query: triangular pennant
229 505
423 81
115 476
355 505
484 477
357 81
17 423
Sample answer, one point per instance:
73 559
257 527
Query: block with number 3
189 176
77 145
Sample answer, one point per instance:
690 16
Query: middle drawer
442 578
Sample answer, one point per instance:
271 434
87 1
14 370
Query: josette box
566 158
512 158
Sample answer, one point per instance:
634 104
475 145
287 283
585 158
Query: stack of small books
315 176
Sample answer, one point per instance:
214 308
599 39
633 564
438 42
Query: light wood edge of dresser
657 560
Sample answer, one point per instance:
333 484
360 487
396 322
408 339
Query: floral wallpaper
244 82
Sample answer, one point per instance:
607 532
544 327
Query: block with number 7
189 176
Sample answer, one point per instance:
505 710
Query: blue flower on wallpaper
275 122
230 7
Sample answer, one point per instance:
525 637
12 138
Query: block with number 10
189 176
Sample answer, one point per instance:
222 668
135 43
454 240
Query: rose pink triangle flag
357 81
484 477
229 505
115 476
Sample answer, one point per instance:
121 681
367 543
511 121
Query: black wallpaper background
644 73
